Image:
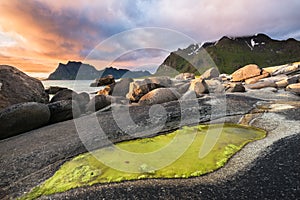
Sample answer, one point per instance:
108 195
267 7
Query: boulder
103 81
98 102
63 95
282 84
199 86
162 81
159 95
235 87
210 73
287 81
271 70
214 86
23 117
107 90
120 88
275 78
117 100
295 88
82 99
246 72
54 89
189 95
63 110
17 87
262 84
255 79
287 69
137 89
183 88
185 76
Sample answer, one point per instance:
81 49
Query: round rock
159 95
98 102
23 117
63 110
17 87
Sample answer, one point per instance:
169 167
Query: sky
36 35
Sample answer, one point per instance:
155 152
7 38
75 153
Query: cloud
37 34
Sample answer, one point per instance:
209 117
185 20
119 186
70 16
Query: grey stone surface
22 117
17 87
63 110
58 142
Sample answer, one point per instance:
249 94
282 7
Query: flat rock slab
265 169
32 157
273 176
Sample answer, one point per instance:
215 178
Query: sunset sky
35 35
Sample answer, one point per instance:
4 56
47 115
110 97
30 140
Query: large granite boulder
262 84
183 88
199 86
273 81
214 86
159 95
17 87
103 81
287 69
191 95
210 73
66 94
295 88
235 87
164 81
97 103
185 76
255 79
54 89
107 90
63 110
82 99
120 88
137 89
246 72
287 81
23 117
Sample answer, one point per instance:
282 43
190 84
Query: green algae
145 157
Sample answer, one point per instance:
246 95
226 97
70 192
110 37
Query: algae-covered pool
187 152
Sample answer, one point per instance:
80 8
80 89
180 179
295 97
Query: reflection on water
76 85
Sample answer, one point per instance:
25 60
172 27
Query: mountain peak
81 71
230 53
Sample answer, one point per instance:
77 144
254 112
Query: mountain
80 71
231 53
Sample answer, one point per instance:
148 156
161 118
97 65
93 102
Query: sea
75 85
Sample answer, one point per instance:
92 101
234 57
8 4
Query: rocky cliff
77 70
231 53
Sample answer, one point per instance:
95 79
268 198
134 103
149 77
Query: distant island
230 54
81 71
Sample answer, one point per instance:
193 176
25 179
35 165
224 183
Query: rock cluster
24 103
28 108
155 90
